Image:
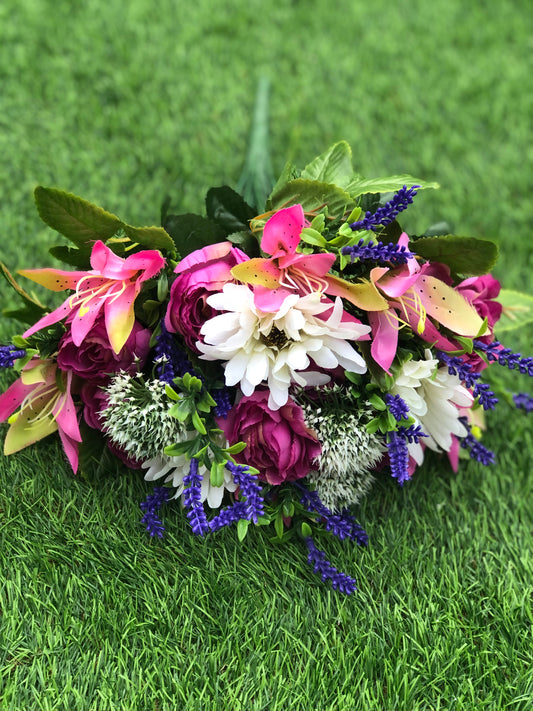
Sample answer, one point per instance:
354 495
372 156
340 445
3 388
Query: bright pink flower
201 273
481 292
418 296
113 285
287 272
43 394
278 442
95 360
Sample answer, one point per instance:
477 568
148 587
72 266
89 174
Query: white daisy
279 347
433 397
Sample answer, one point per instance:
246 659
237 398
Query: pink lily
418 292
112 284
43 394
286 271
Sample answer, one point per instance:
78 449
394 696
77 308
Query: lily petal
281 234
120 317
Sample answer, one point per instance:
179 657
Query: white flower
278 347
433 397
174 469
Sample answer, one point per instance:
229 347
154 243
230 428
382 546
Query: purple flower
278 442
94 359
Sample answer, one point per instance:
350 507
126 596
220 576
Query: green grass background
124 103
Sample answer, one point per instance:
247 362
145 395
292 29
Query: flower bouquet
263 364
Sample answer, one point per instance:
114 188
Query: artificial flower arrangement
264 368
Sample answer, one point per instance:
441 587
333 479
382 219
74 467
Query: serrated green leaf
228 209
289 173
190 232
312 195
242 528
151 238
464 255
77 219
361 186
517 310
333 166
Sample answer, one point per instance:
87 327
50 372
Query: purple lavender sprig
387 213
381 253
397 407
399 457
463 370
477 451
174 362
523 401
192 498
249 488
9 354
495 352
151 506
317 558
343 525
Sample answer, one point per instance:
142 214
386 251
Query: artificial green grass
124 104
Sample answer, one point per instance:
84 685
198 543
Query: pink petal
385 337
61 312
397 282
211 253
270 300
281 234
12 398
71 450
315 264
53 279
84 319
120 317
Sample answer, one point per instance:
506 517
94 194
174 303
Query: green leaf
517 310
289 173
75 218
32 309
191 232
333 166
377 402
79 258
235 448
279 525
227 208
464 255
179 448
245 240
312 195
217 474
360 186
306 530
311 236
151 238
242 528
198 423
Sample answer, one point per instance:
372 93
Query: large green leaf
312 195
464 255
517 310
190 232
228 209
75 218
151 238
360 186
334 166
79 258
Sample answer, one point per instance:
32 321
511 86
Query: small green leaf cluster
192 407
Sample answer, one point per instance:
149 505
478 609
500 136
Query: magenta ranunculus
481 291
94 360
201 273
278 443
